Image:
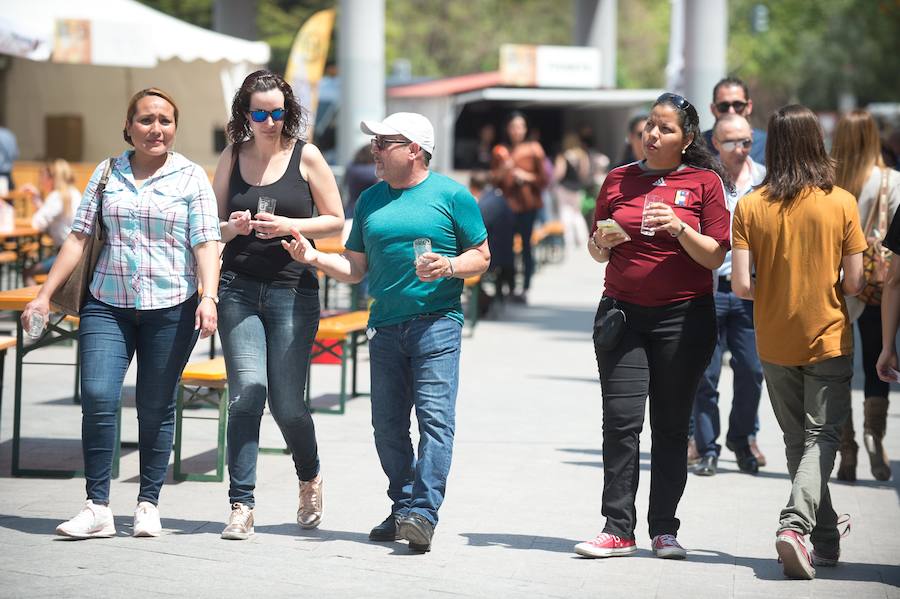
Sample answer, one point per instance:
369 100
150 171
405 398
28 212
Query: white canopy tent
87 58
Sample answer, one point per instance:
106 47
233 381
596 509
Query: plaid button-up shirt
147 262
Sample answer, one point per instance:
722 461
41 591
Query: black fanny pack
609 325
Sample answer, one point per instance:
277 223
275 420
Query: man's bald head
730 120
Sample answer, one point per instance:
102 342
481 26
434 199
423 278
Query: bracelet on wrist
594 243
452 270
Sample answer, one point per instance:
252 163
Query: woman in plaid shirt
159 212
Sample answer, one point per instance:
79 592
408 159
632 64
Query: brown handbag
70 296
876 258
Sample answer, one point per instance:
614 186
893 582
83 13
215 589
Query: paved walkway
525 487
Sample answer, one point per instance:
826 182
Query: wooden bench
6 342
338 337
197 376
334 331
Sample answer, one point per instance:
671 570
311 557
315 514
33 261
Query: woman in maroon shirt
661 279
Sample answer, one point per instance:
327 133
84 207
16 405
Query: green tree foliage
441 38
812 52
815 51
278 23
197 12
643 48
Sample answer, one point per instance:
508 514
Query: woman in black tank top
269 306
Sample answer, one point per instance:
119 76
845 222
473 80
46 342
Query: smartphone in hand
610 226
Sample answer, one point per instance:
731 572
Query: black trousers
869 324
663 354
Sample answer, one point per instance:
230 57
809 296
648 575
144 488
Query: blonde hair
571 141
856 149
63 181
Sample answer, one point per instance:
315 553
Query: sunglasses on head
737 105
681 103
260 116
730 146
381 143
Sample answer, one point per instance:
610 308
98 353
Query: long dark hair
263 81
696 154
795 155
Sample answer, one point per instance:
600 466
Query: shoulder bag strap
101 187
883 206
873 213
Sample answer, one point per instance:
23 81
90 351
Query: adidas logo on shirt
660 182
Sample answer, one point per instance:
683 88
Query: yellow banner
306 62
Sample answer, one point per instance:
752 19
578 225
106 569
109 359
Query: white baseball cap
411 125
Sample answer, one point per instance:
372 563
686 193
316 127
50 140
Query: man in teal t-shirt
415 323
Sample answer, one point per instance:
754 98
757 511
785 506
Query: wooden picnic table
55 333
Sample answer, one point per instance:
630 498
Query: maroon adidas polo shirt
654 271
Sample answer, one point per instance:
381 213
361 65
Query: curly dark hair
697 154
295 118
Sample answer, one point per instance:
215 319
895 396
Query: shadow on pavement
291 529
770 569
515 541
47 526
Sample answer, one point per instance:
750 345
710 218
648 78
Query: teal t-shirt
385 224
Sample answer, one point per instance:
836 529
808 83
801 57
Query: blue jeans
108 338
736 333
267 334
524 226
415 364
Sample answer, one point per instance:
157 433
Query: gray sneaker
240 523
310 512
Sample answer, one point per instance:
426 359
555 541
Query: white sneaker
146 520
93 521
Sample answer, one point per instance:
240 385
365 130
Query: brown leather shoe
756 451
692 456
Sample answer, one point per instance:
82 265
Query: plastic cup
267 205
36 325
650 198
420 247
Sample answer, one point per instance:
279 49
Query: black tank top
265 259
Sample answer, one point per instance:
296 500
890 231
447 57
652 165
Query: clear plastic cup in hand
649 199
421 247
266 204
36 325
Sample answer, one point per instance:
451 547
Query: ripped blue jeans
267 335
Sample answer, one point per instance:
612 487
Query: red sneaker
793 555
606 545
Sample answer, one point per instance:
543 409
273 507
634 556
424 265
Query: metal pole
361 63
596 25
704 53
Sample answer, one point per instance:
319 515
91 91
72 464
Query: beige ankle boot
874 428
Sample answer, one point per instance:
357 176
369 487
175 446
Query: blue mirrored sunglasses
259 116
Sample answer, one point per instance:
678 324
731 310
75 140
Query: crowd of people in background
735 239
